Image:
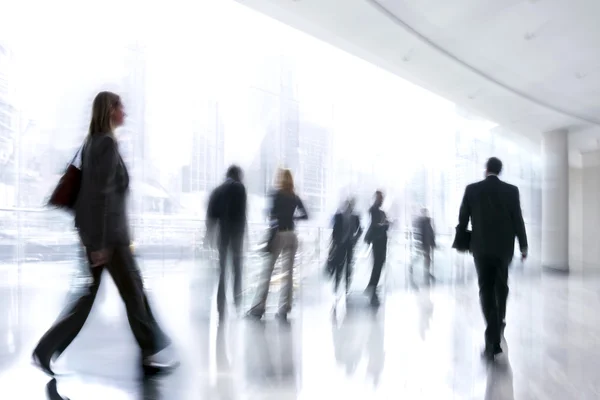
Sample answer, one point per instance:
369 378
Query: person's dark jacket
283 210
227 207
101 207
379 225
425 232
494 209
339 228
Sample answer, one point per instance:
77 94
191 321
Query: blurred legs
290 248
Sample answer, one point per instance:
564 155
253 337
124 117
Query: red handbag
65 194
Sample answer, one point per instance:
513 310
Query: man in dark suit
426 236
346 232
377 236
227 212
494 209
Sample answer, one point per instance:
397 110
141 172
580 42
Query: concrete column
555 201
584 217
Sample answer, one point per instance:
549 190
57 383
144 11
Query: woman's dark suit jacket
101 209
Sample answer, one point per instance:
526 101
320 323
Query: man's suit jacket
379 226
227 207
425 232
101 207
494 208
339 228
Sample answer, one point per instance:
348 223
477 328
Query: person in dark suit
377 236
426 236
494 209
101 221
346 232
227 212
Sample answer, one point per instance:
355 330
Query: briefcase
462 240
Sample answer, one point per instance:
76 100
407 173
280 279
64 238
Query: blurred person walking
284 205
426 235
377 236
346 232
494 209
226 220
102 223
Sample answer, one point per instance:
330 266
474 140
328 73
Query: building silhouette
206 168
302 146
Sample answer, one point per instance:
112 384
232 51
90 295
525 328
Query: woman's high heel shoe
41 364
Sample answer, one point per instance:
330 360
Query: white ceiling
529 65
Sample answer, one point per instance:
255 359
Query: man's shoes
41 363
282 317
254 316
375 301
159 362
491 352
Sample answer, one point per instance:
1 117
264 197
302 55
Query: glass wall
207 84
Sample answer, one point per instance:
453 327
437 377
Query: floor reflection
499 383
150 389
358 337
270 357
424 302
421 343
52 391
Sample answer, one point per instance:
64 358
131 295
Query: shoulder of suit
273 195
101 137
216 192
508 185
513 187
232 183
104 139
239 187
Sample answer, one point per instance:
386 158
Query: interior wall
575 218
584 214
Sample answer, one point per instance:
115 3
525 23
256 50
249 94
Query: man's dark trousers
492 273
379 255
231 242
344 258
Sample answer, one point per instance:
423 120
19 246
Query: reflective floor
423 342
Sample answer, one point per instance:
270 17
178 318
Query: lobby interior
353 96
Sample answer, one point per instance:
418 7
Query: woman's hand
100 257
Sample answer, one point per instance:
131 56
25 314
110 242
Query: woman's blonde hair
104 104
286 181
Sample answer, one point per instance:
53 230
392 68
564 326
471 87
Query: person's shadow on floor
150 390
360 336
499 384
52 391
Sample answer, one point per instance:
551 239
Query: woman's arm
374 213
102 184
273 210
300 206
